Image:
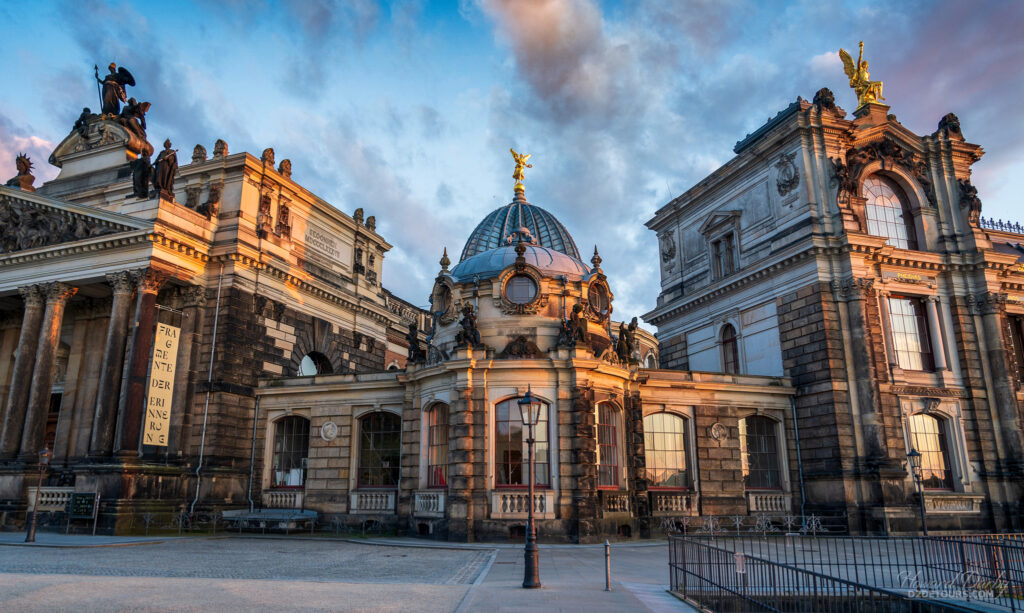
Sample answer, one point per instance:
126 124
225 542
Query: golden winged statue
517 174
860 79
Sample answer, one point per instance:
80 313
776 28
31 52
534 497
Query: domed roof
490 263
501 223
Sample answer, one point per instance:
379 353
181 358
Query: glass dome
499 224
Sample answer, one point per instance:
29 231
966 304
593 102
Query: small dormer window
723 255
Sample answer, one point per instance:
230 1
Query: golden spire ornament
868 91
517 174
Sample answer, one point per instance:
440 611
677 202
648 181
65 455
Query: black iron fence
822 573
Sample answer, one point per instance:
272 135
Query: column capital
32 295
193 295
120 282
57 292
149 280
931 299
852 288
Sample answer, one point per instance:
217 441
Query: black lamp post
529 410
915 466
44 461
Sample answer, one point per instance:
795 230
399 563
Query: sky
407 109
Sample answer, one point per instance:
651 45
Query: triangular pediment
718 219
32 221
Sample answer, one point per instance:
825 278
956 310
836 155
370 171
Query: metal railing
1002 226
826 573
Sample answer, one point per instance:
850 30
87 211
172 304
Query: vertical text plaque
161 386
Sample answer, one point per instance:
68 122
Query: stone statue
358 216
416 353
626 344
268 156
969 199
574 329
142 174
285 168
371 223
198 154
868 91
220 148
166 169
517 174
133 117
469 334
82 123
112 88
24 179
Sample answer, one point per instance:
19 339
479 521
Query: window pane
887 214
759 451
607 446
437 446
928 437
909 333
379 450
665 450
510 449
291 448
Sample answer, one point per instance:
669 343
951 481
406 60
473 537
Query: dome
499 224
489 264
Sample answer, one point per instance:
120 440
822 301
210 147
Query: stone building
847 253
438 448
262 278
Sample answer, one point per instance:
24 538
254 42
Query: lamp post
44 461
529 410
915 466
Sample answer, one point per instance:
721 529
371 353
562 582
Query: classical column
104 418
129 419
14 418
57 295
935 332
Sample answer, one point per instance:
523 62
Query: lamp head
529 408
915 459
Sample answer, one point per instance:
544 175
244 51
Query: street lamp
529 410
44 461
915 466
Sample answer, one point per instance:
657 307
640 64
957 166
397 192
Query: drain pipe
209 382
252 452
799 460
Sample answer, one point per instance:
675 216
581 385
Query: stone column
858 291
57 295
935 331
130 414
104 418
24 362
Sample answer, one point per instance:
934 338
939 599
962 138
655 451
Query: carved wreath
511 308
450 311
789 175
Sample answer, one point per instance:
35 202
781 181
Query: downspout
252 452
209 382
799 460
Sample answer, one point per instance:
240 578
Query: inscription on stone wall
322 241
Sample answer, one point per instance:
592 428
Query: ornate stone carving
469 335
668 247
25 226
24 179
264 220
271 309
192 196
574 329
789 176
969 200
198 154
416 352
268 156
120 282
32 295
950 125
848 176
284 226
220 149
852 288
58 292
211 207
371 223
521 348
358 216
285 168
193 296
149 280
825 100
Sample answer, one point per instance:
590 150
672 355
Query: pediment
31 221
719 219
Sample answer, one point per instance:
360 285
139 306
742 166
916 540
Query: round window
598 297
521 289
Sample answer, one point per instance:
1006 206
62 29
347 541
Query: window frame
612 429
745 453
926 354
684 436
279 423
434 428
363 449
872 204
943 436
729 348
541 429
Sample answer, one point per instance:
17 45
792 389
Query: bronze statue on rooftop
24 179
165 169
112 86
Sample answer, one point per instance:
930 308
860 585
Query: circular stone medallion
329 431
718 431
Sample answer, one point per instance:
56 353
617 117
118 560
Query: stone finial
268 156
371 223
596 260
358 216
220 148
285 168
198 154
445 262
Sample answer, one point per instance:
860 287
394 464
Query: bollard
607 566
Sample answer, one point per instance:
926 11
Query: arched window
380 449
730 350
437 446
607 446
510 453
291 448
887 212
759 453
665 450
315 363
651 361
928 437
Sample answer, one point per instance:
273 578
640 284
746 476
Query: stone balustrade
282 499
51 499
375 502
952 503
769 502
513 504
672 503
429 503
615 502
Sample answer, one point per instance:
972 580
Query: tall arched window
510 453
291 448
437 446
665 450
887 212
759 453
730 350
607 446
380 449
315 363
928 437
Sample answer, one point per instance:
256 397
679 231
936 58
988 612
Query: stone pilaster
129 420
584 465
24 362
991 307
104 418
855 292
935 332
460 468
192 300
57 295
636 461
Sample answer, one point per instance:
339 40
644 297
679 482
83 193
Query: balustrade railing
282 499
1001 226
376 502
513 504
50 498
672 503
769 502
428 503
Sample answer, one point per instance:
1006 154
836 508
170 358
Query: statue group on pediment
23 226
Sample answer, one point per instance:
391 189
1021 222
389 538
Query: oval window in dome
521 289
598 298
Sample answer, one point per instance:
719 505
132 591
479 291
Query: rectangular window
510 447
437 447
910 333
723 256
607 447
928 437
716 259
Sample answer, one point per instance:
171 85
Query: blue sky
408 109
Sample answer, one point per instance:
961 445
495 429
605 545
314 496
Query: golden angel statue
860 79
520 159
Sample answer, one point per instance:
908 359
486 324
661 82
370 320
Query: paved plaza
247 573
